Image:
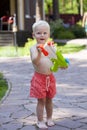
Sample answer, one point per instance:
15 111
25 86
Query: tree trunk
81 7
56 9
40 14
63 6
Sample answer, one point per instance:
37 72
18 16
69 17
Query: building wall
25 17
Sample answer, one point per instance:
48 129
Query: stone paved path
17 111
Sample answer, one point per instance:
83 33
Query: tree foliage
66 6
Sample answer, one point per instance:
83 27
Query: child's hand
40 47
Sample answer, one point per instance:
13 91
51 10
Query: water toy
50 50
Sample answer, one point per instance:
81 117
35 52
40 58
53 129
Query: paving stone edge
8 91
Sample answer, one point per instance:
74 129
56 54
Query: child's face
41 34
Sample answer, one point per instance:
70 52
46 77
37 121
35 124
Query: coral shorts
43 86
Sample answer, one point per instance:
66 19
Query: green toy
59 62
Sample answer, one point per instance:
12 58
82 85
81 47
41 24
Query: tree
40 14
81 7
63 1
56 9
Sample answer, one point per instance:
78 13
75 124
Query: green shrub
55 27
58 31
78 31
64 35
28 44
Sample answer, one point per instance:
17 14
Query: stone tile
5 114
76 118
16 102
72 112
84 120
84 127
31 107
21 114
5 120
18 97
80 129
58 113
28 128
11 126
57 127
83 105
1 128
30 120
69 123
6 109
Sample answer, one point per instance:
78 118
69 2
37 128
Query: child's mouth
41 39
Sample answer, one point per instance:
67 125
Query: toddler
43 84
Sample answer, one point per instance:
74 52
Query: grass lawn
3 86
10 51
71 48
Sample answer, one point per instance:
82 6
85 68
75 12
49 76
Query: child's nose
42 34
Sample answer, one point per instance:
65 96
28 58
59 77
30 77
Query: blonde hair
40 23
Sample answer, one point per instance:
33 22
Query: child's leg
49 110
40 111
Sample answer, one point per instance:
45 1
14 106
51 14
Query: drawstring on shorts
47 82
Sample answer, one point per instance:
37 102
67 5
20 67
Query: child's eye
45 32
42 33
38 33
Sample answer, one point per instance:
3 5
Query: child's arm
35 55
